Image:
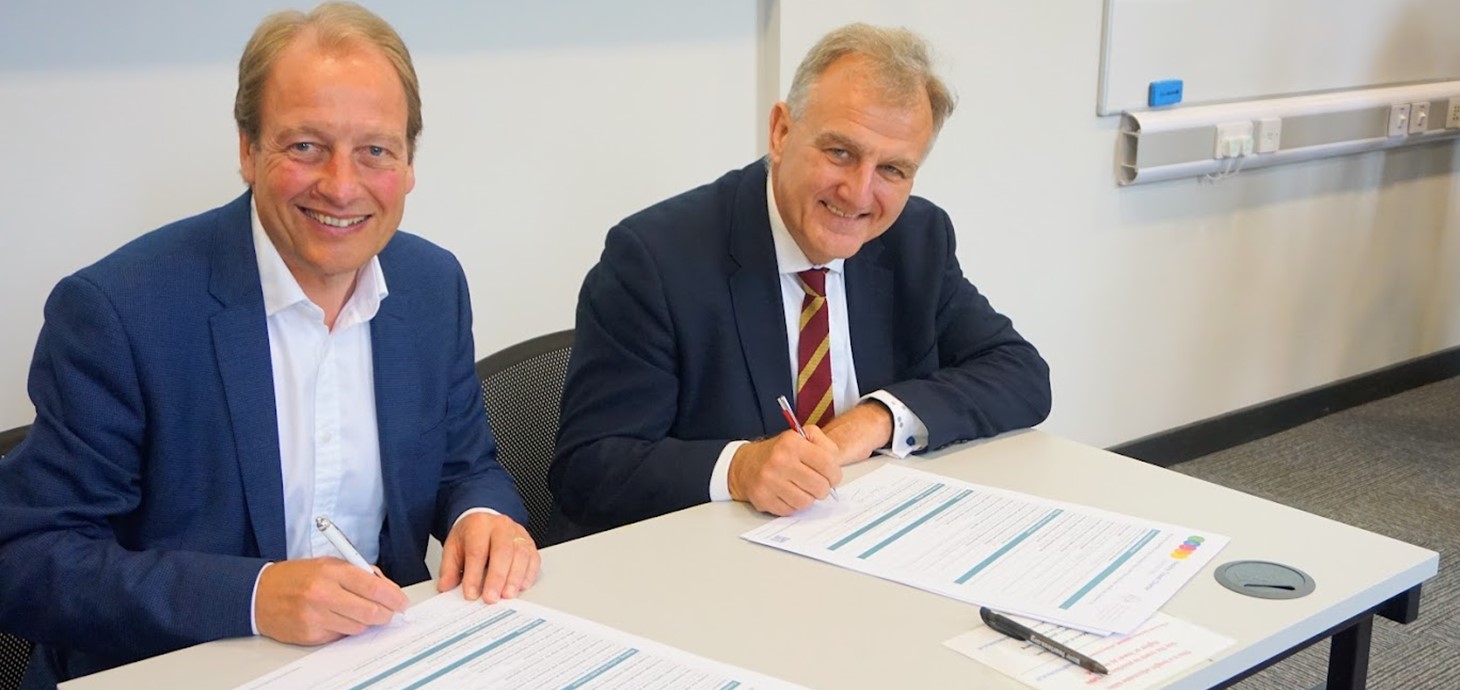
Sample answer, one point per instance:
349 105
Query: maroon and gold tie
813 366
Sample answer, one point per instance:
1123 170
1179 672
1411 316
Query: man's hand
317 600
785 473
489 556
860 431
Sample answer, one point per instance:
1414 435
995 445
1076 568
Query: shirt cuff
720 476
909 434
253 601
469 511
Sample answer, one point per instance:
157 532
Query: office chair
12 438
522 386
14 651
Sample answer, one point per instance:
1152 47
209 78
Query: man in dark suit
813 275
206 391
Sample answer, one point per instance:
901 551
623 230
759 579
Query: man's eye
302 146
839 154
377 151
893 171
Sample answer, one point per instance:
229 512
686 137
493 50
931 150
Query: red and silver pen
791 419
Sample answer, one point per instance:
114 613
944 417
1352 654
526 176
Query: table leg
1348 656
1403 608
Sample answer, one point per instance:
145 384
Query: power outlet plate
1234 140
1269 134
1399 120
1452 118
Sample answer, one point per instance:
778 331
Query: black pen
1012 628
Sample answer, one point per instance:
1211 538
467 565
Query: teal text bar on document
586 679
885 517
964 578
459 662
914 525
433 650
1110 569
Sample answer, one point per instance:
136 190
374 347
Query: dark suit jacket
135 517
681 347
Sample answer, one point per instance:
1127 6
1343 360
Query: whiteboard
1227 50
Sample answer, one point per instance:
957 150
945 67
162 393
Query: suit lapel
241 343
397 398
756 294
869 312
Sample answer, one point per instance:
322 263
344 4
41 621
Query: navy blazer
136 515
681 347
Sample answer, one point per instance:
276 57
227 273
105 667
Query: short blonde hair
336 26
901 62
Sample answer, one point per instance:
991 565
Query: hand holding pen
786 472
796 426
347 549
316 600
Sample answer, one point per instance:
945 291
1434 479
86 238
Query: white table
688 580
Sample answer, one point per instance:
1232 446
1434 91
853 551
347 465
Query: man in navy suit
206 391
812 275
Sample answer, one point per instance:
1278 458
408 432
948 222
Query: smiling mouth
840 213
334 221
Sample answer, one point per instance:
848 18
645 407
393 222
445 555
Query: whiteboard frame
1102 96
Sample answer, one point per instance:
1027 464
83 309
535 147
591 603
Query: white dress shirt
324 399
324 402
909 434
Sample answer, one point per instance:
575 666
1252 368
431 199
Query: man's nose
856 187
340 182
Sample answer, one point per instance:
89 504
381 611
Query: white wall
547 122
544 124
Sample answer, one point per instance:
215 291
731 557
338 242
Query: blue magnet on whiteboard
1164 92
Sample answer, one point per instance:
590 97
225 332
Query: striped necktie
813 367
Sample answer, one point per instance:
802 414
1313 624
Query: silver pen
342 544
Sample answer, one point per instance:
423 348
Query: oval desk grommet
1264 579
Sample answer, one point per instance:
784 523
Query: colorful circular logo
1187 547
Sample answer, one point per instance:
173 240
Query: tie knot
813 281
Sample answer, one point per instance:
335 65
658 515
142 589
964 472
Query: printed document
1147 658
1073 565
449 642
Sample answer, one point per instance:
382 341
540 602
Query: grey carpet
1392 467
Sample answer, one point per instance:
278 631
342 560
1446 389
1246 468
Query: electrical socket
1234 139
1452 118
1419 117
1399 120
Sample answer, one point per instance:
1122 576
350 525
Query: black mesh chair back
12 438
522 387
14 651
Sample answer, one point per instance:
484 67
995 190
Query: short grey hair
901 62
